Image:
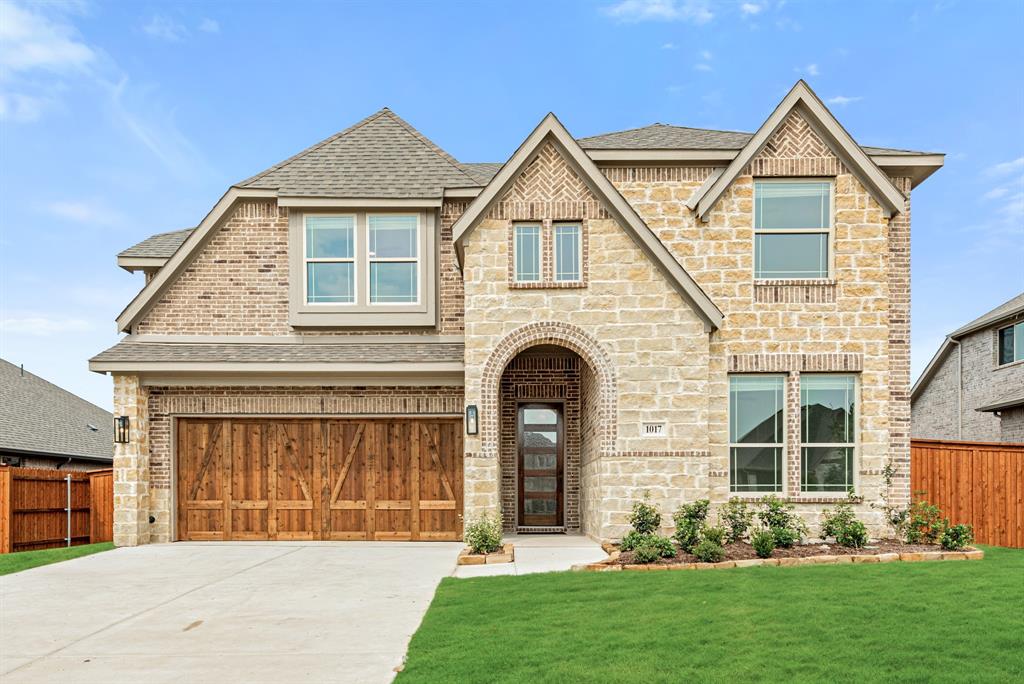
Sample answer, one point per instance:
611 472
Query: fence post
6 506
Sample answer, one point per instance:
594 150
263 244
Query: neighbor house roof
382 156
38 417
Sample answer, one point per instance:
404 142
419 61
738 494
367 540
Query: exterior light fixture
121 430
472 424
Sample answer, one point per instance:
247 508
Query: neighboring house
371 339
43 426
973 388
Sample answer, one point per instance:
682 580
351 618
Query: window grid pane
393 282
392 236
330 282
527 253
828 432
330 237
791 255
756 433
567 253
790 206
791 224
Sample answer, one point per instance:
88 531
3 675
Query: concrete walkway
540 553
265 612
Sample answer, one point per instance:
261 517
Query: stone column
131 464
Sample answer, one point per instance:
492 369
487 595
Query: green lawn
918 622
23 560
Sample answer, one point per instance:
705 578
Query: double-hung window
792 225
329 258
757 428
567 252
1011 343
393 258
527 253
827 432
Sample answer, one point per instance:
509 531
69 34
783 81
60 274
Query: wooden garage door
256 479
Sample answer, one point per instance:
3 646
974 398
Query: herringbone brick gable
794 149
548 178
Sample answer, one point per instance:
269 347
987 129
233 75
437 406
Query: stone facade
131 464
982 382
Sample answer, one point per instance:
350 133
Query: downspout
959 389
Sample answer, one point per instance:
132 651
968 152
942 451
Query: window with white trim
329 259
828 432
792 229
757 432
393 257
567 252
527 253
1011 343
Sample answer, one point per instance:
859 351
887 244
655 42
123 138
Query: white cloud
694 11
669 46
1005 168
810 70
208 25
702 67
43 326
843 100
996 193
705 55
21 108
750 8
165 28
674 89
31 40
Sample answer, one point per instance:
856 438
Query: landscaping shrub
957 537
735 516
842 524
714 534
763 542
632 540
786 526
709 552
483 535
645 518
926 523
689 520
645 553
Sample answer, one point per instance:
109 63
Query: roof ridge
658 123
430 144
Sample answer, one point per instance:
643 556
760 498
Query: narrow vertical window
1011 343
330 259
757 429
527 253
567 252
792 225
393 255
827 432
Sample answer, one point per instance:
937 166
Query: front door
541 457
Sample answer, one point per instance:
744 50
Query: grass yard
921 622
23 560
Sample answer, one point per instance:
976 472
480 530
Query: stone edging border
506 555
971 553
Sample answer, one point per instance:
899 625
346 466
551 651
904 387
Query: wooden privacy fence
981 483
35 510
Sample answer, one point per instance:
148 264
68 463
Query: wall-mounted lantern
121 430
472 424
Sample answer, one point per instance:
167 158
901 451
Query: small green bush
666 549
763 542
842 524
689 520
957 537
926 523
709 552
645 518
785 537
735 516
483 535
786 526
714 534
631 540
646 553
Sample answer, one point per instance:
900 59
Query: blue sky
119 120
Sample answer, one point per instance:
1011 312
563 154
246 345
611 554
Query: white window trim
579 251
1018 341
830 231
306 260
515 252
855 444
783 445
400 260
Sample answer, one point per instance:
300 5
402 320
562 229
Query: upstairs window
330 259
827 432
567 252
792 229
757 429
393 256
527 253
1011 343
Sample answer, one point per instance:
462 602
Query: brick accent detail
794 292
795 149
547 268
657 174
540 378
899 349
787 363
686 453
792 456
451 313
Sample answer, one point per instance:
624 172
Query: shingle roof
382 156
1008 308
483 172
37 416
348 352
665 137
161 245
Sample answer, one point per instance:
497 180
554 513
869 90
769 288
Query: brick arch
559 334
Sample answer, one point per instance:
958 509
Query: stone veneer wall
529 378
144 468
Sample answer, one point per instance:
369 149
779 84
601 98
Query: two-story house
973 388
373 340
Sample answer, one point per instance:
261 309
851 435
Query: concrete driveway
265 612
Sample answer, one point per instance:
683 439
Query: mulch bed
743 551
